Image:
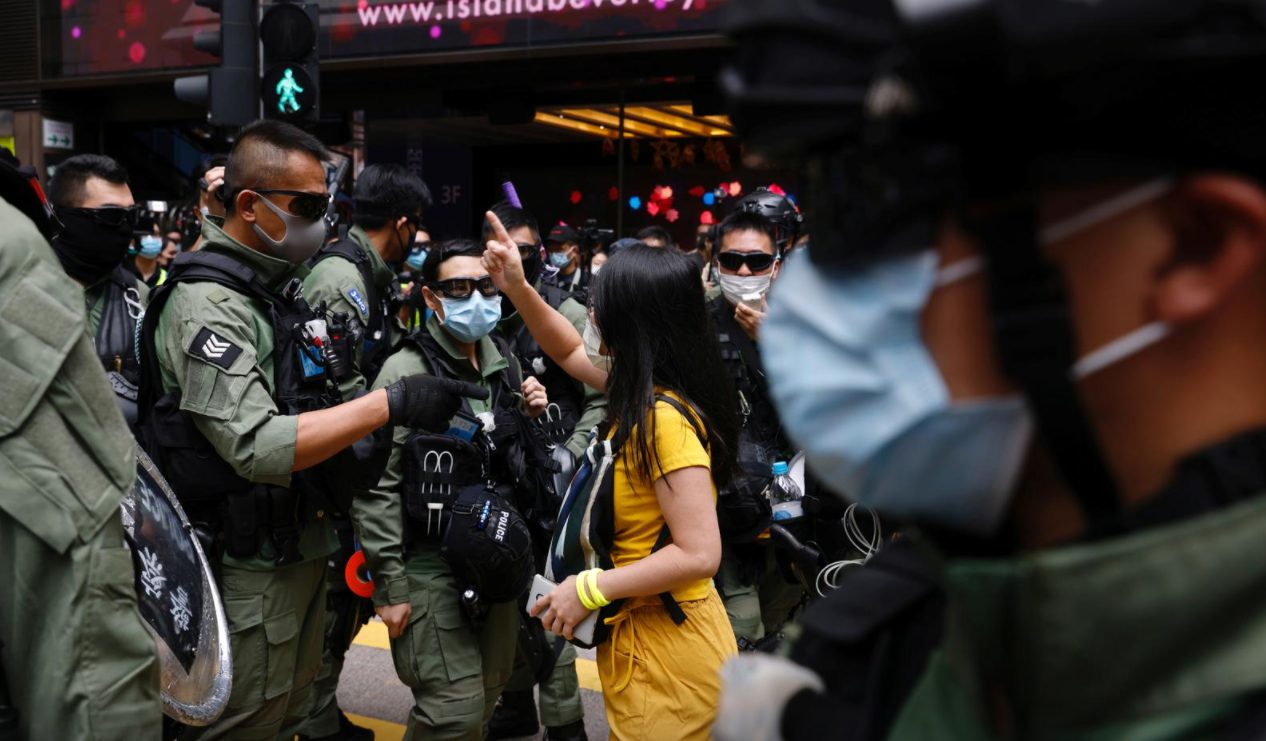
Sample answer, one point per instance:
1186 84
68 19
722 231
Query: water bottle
785 495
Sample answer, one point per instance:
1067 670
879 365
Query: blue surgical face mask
471 319
415 259
859 392
560 260
151 246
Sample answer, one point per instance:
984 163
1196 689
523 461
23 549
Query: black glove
425 402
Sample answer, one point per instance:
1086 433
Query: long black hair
650 310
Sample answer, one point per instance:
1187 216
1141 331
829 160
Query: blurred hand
502 260
749 319
396 617
535 400
215 179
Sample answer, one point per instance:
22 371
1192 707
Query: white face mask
593 347
737 287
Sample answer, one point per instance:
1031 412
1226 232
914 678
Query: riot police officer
758 596
1030 329
246 420
449 603
352 276
78 659
576 410
563 247
98 216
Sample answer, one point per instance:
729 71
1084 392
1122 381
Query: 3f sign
450 193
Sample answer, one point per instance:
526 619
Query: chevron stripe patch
214 349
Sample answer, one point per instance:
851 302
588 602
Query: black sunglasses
527 250
757 262
108 215
462 288
310 206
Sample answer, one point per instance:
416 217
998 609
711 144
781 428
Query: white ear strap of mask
1099 213
957 271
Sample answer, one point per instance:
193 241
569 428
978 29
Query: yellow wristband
580 592
599 598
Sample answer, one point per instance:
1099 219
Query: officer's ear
1219 246
433 302
244 203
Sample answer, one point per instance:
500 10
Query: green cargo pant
276 625
560 701
764 603
456 670
322 717
79 662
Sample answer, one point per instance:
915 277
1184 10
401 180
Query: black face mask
89 250
532 267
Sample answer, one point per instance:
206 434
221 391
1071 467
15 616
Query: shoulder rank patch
214 349
359 300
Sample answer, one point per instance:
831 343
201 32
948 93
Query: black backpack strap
670 603
555 295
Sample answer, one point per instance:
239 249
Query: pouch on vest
435 467
487 544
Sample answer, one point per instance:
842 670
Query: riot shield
178 599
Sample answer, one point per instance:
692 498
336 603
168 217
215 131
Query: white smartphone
583 632
752 301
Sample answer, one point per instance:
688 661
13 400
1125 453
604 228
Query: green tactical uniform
1154 636
560 701
340 284
759 602
79 661
276 614
456 672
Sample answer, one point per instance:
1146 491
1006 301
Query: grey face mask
301 240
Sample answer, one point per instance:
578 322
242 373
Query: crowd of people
451 380
982 459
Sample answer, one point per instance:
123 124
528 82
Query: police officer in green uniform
758 597
455 657
1038 342
579 410
78 659
92 201
353 276
248 427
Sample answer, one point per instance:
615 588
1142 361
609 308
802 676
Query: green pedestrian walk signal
291 82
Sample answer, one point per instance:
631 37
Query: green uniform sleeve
210 343
339 284
379 515
594 408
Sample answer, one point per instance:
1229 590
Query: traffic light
292 74
227 91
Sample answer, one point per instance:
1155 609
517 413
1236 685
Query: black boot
514 717
570 732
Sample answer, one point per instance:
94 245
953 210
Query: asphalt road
372 695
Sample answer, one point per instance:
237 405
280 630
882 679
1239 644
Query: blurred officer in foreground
243 415
78 661
352 275
1029 325
98 217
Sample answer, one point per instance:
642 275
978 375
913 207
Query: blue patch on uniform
360 300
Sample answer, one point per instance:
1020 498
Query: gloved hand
755 688
424 402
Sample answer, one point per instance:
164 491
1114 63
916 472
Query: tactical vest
116 339
467 495
743 510
238 512
560 387
377 330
